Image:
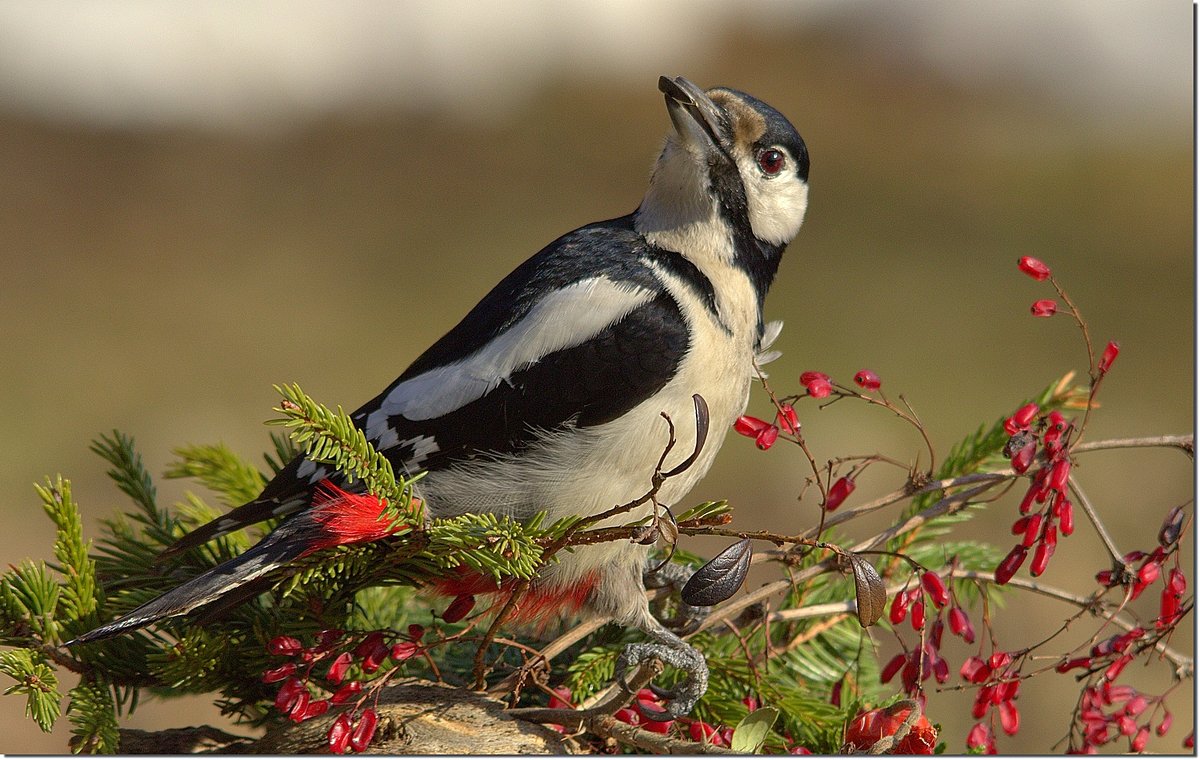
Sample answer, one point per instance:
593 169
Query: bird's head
732 163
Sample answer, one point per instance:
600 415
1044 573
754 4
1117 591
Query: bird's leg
677 653
672 575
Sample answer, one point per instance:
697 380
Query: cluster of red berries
999 686
869 726
816 385
1049 487
300 681
1110 712
920 663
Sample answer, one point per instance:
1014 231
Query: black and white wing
576 336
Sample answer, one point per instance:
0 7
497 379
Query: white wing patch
563 318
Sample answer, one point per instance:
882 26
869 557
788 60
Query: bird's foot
674 576
673 651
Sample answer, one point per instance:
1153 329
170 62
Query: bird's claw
674 576
682 698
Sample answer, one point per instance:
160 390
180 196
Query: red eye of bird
771 161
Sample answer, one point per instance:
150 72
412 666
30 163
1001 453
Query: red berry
999 660
980 738
625 715
865 378
1024 457
1027 501
361 737
404 650
288 692
284 645
1059 474
337 670
1078 662
1165 725
459 608
416 632
899 608
702 732
1009 566
314 709
1176 581
892 668
936 588
1041 558
975 670
1110 353
1032 529
298 706
766 439
278 674
1066 516
1034 268
870 726
369 644
346 693
838 492
1139 740
819 388
961 626
1148 572
918 616
807 378
1023 416
339 734
787 419
1044 308
1010 718
750 426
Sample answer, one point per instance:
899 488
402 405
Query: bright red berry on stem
865 378
1024 457
1110 354
404 650
787 419
339 734
288 692
1059 474
278 674
347 692
870 726
284 645
1032 529
1010 717
1033 267
817 384
980 738
1041 558
893 667
364 731
297 707
337 670
961 626
1165 725
899 608
975 670
838 492
1046 307
459 608
1009 566
750 426
766 439
936 588
918 616
1025 415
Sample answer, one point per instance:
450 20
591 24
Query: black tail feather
213 586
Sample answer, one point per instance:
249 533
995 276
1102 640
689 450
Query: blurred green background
196 203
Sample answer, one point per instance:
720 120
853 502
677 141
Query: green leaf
37 681
752 731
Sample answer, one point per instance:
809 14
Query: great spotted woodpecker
550 394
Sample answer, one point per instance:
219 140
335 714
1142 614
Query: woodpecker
550 394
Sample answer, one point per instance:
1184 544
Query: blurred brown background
197 202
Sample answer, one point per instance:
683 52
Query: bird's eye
771 161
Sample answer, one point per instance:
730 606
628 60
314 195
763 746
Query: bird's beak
703 128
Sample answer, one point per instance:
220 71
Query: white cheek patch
776 205
563 318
